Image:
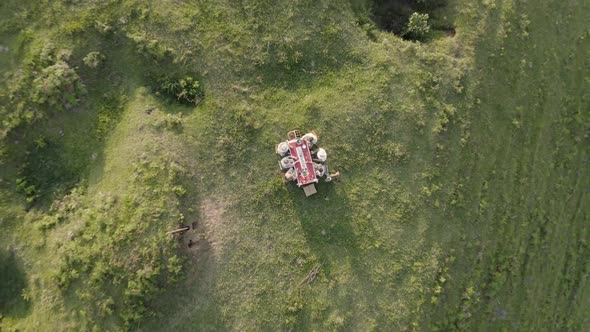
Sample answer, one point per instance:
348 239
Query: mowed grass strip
517 190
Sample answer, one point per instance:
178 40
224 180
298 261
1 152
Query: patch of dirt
202 244
212 221
450 32
203 239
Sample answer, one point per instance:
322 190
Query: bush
93 59
23 185
173 121
150 48
57 84
44 82
103 28
15 101
185 90
47 54
418 26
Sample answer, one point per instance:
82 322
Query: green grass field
465 157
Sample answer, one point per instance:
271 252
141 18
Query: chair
293 134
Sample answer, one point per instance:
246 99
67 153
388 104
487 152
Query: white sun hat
310 138
282 148
322 155
290 175
287 162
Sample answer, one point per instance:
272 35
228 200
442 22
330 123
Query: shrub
173 121
179 191
44 81
103 28
418 26
40 142
150 48
93 59
185 90
57 84
24 186
47 54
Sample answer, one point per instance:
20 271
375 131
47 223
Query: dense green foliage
93 59
464 157
185 90
46 83
116 262
418 26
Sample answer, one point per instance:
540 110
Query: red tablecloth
303 163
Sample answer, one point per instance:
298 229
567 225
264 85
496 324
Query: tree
418 26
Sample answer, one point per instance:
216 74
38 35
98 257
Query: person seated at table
287 162
290 175
320 156
319 170
312 139
283 149
314 149
330 177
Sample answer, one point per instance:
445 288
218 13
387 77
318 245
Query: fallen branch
180 230
311 275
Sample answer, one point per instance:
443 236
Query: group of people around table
318 157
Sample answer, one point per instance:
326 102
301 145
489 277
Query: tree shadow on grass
12 282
